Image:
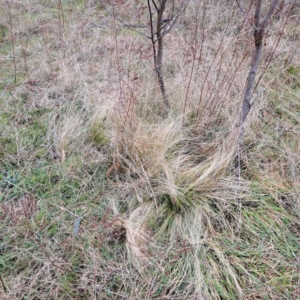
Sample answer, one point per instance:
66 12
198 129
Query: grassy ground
106 195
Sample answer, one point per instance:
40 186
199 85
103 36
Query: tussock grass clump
107 194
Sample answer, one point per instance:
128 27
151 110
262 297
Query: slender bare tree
158 37
164 24
259 34
161 23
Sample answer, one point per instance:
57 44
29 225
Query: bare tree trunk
259 32
163 26
158 66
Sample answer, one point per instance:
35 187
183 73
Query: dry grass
164 209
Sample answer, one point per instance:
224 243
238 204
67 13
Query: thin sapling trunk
259 33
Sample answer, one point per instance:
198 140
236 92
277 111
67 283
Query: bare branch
171 21
269 13
154 5
244 13
126 25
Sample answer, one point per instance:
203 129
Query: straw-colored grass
106 194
